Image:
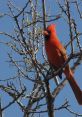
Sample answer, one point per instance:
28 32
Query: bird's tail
77 91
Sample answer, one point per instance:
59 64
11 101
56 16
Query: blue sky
6 71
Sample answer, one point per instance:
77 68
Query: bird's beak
45 33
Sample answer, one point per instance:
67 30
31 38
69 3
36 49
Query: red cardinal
57 56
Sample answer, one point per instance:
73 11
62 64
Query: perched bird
57 56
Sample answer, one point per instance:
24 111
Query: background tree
28 85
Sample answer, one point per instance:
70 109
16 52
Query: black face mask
47 36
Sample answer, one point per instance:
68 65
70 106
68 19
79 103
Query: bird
57 56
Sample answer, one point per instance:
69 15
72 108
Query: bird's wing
62 51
